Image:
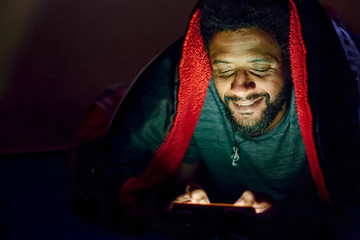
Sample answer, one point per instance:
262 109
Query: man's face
249 77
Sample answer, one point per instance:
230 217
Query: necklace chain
235 156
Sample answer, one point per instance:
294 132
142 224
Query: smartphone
213 207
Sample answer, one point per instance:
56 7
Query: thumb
247 199
197 194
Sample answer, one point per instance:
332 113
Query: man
251 77
258 110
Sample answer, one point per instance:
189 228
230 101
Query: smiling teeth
245 104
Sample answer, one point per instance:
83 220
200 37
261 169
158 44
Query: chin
248 119
248 122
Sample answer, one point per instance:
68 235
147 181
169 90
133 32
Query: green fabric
274 163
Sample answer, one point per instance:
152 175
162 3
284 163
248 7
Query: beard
251 128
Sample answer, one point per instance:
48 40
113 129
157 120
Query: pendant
235 156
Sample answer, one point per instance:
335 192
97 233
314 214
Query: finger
191 187
199 196
196 195
183 198
261 207
247 199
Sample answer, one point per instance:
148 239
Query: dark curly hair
229 15
272 16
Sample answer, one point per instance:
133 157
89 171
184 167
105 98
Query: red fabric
299 75
195 72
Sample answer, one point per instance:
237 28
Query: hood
317 64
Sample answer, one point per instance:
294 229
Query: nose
242 82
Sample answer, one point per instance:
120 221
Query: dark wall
56 56
61 54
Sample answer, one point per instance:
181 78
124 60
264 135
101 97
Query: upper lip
246 102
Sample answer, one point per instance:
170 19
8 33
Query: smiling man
250 78
247 139
256 107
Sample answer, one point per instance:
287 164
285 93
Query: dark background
56 56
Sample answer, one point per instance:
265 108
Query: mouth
247 107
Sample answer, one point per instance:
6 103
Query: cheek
272 87
221 87
276 89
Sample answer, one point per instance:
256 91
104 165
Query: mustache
248 97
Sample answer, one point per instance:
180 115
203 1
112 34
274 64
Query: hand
256 201
193 194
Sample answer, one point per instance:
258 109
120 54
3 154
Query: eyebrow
261 60
220 61
264 59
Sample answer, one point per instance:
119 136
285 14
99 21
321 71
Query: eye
260 69
224 73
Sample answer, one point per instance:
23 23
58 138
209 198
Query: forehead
250 42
